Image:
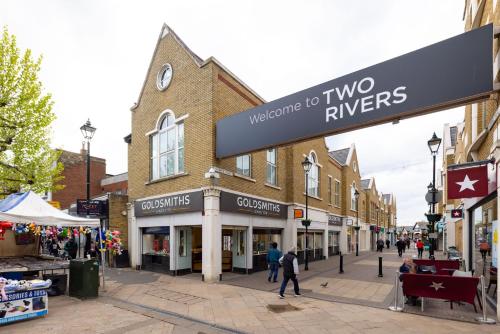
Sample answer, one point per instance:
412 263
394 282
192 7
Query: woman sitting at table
408 267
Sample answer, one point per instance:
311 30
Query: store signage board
168 205
334 220
447 74
92 207
249 205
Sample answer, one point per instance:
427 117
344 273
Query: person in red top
420 248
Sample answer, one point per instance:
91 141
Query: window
182 242
167 148
244 165
353 198
313 177
336 200
271 167
329 189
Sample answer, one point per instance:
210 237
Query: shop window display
485 222
262 240
156 249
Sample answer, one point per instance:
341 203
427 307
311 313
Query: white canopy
25 208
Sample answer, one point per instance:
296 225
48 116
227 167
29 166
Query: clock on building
164 77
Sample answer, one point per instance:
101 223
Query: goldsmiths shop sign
167 205
443 75
250 205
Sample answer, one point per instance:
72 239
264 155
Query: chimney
83 151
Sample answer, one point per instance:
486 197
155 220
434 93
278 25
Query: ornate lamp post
306 164
356 196
88 132
433 144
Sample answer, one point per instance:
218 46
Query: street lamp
433 144
306 164
88 132
356 196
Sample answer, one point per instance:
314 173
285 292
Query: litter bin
84 278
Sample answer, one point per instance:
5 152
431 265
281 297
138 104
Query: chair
493 280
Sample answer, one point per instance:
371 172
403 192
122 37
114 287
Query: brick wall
118 221
75 178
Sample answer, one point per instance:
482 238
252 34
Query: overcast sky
96 54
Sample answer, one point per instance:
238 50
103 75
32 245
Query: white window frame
330 190
241 158
313 176
155 141
353 198
336 193
273 166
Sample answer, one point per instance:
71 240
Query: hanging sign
91 207
457 213
453 72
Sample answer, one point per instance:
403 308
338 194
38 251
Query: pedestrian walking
380 245
387 243
290 272
420 248
408 243
400 244
273 257
484 247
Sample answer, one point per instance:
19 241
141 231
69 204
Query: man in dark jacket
400 244
380 245
290 272
273 257
387 242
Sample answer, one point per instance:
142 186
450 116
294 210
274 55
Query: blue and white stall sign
23 305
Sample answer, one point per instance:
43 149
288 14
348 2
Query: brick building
476 140
192 212
75 177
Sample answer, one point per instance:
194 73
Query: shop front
169 234
249 227
334 230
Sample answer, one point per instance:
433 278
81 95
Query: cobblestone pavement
143 302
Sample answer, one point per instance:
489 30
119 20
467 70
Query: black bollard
341 269
380 267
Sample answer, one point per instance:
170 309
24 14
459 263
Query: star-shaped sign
436 286
467 184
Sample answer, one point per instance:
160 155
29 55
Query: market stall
29 216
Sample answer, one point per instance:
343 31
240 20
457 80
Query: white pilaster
325 241
134 248
211 236
465 241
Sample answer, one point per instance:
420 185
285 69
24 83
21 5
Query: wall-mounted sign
457 213
298 213
334 220
167 205
92 207
253 206
453 72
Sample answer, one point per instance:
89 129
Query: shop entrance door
196 249
239 250
227 250
184 249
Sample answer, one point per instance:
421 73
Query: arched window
167 147
354 204
313 176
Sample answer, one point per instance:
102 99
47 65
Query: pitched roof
365 184
340 155
166 30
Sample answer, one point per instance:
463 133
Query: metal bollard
380 267
341 268
396 307
484 319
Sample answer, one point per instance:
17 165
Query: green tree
26 160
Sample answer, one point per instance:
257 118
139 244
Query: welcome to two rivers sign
446 74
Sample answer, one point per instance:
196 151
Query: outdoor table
449 270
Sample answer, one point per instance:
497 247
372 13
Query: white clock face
164 77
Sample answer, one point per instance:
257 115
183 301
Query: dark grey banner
334 220
253 206
167 205
443 75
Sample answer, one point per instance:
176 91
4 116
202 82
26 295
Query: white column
249 235
290 232
325 241
465 240
343 246
211 236
133 238
174 248
497 153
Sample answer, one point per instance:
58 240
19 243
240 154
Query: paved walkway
144 302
